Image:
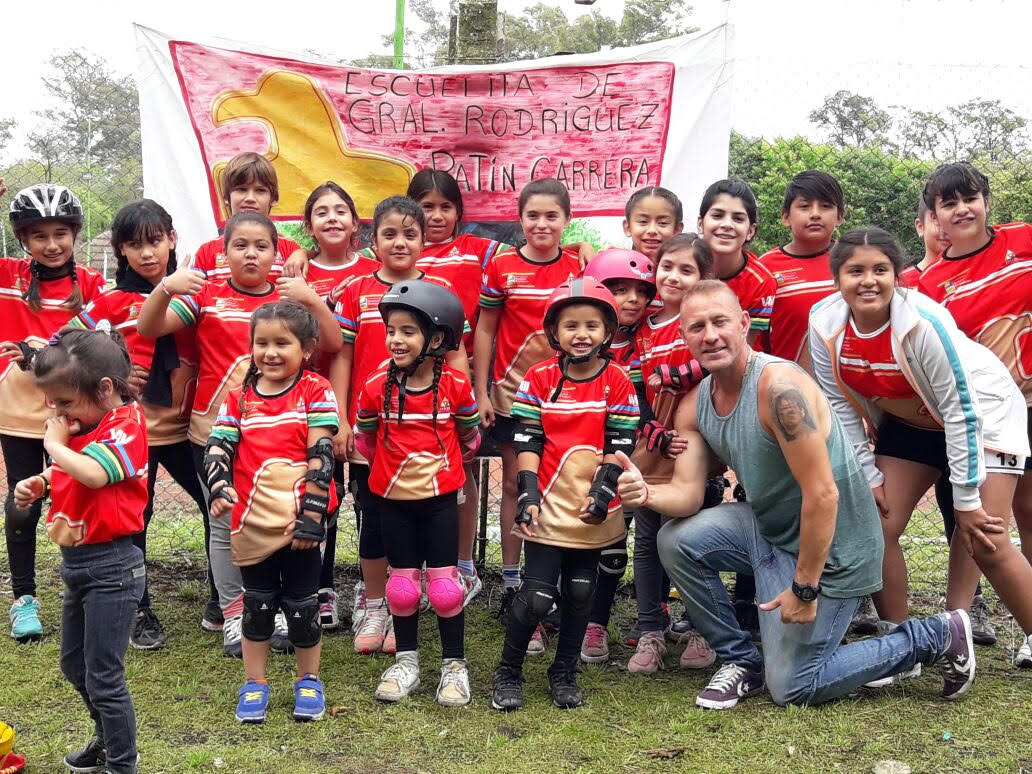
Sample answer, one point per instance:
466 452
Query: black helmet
44 201
436 306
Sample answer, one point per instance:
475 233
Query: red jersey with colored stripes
120 310
802 281
521 289
325 279
755 287
22 407
417 458
80 515
222 315
989 294
211 258
574 422
909 277
271 433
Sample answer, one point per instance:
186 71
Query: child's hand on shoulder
184 281
138 377
221 506
27 491
57 430
298 290
297 264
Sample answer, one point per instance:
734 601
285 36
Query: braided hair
298 320
396 377
41 273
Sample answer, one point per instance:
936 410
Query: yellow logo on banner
307 145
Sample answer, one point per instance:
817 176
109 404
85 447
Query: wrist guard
529 438
323 475
307 528
619 440
529 494
218 469
657 437
602 492
682 377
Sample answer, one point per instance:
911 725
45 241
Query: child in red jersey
727 221
38 295
269 461
576 409
813 208
652 215
398 233
164 370
97 480
516 286
417 425
248 184
934 241
221 312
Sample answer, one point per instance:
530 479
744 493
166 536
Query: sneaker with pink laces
370 635
697 653
648 657
595 647
536 646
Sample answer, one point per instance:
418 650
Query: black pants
287 573
609 579
23 458
367 511
418 531
177 459
543 564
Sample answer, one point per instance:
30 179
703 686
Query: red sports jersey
869 367
22 407
755 287
521 288
325 279
989 294
627 355
271 433
80 515
802 281
120 309
222 315
211 258
415 461
910 276
574 423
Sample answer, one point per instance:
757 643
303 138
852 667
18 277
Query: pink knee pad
403 591
444 590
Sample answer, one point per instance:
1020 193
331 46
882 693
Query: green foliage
582 231
296 230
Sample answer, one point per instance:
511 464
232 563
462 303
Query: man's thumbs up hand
631 486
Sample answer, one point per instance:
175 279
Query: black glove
529 494
602 492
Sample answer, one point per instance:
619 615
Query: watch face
807 593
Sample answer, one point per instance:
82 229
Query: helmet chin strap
566 360
411 369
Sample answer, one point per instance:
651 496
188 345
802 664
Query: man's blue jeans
804 663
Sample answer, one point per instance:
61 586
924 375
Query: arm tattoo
791 410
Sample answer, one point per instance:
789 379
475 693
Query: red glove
657 437
682 377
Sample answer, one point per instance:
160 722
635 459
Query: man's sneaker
25 623
730 684
309 703
358 608
959 656
212 620
865 619
681 627
505 605
536 646
982 630
563 688
148 633
252 701
369 638
400 679
507 689
329 613
453 690
280 642
648 657
748 617
231 637
1023 658
883 682
595 646
697 653
471 586
390 640
92 757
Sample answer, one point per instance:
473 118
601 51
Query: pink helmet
582 290
617 263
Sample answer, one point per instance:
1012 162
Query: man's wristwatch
806 591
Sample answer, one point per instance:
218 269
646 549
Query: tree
645 21
6 131
429 48
852 119
978 128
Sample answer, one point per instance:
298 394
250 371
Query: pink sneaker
370 635
648 657
697 653
390 644
595 647
536 646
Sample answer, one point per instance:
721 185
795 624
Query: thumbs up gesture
631 486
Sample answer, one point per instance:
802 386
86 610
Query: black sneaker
748 617
212 619
508 597
507 689
148 633
680 628
959 656
865 619
562 685
92 757
729 685
982 630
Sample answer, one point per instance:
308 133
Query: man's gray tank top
853 566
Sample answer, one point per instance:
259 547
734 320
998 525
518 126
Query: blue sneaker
25 624
253 702
309 703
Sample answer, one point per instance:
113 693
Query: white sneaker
369 638
914 671
400 679
471 586
1023 658
453 690
231 636
329 612
358 607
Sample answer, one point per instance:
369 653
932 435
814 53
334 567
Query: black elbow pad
619 440
529 438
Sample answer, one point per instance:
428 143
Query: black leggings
418 531
23 458
288 573
367 512
612 565
177 459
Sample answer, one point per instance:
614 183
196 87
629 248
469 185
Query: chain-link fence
89 141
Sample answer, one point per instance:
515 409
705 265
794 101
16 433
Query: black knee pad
303 627
613 560
259 615
578 588
533 601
